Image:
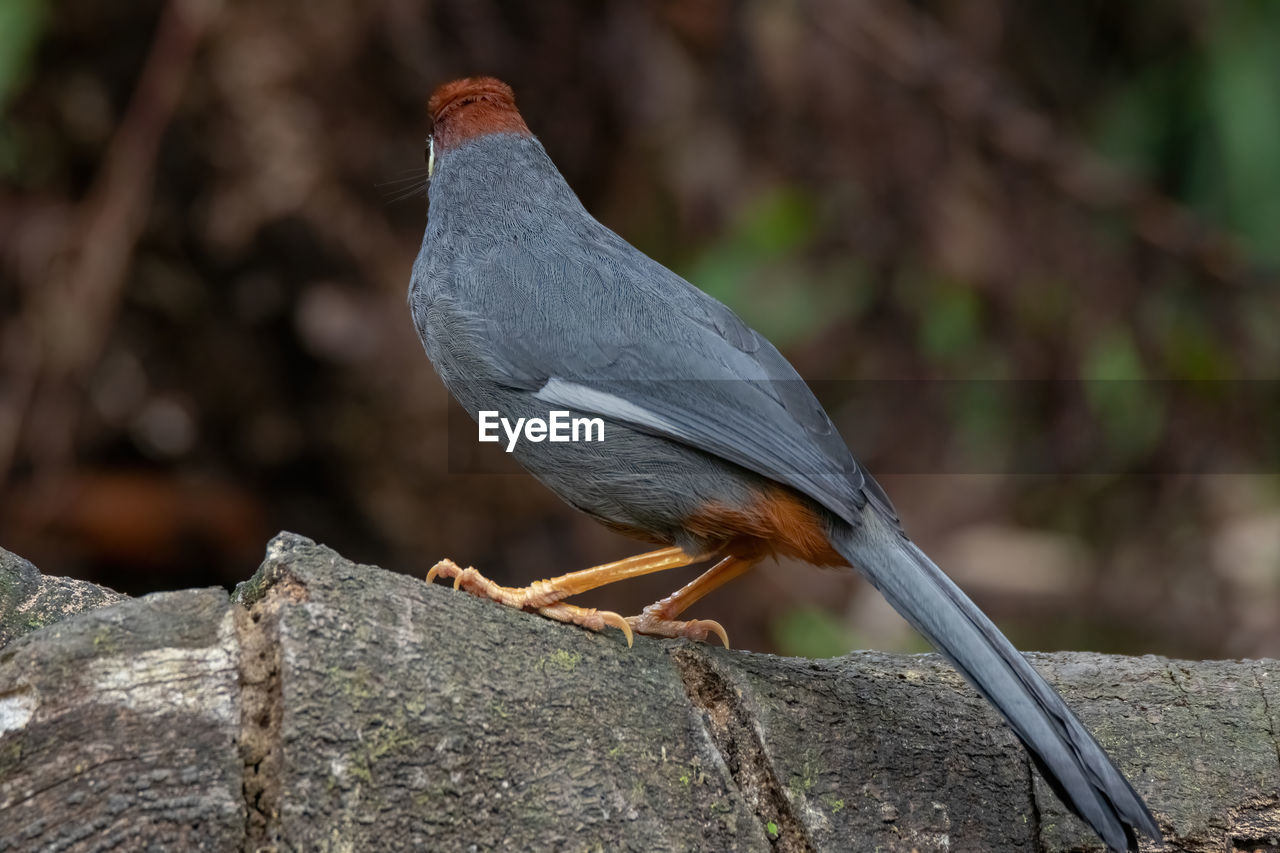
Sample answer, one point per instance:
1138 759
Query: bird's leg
659 618
546 596
542 593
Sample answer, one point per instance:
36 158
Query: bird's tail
1068 756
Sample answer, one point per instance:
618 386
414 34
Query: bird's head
465 109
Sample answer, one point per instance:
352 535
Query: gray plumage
525 303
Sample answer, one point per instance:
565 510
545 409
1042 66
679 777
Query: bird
714 447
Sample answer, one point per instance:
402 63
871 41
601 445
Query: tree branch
330 704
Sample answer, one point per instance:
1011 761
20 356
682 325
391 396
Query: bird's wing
623 338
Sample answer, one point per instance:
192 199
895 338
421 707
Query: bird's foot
541 596
653 622
588 617
470 580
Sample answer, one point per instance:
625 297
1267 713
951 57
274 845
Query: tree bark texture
334 706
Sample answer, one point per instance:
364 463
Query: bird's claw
694 629
618 621
445 568
650 622
529 598
470 580
588 617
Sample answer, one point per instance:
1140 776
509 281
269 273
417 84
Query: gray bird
714 447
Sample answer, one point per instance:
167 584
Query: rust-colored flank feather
779 521
471 107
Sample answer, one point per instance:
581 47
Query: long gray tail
1067 755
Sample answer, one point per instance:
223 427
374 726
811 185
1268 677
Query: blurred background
1027 253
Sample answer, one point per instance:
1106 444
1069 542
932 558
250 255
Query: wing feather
616 335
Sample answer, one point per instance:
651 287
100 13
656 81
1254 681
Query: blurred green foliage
1205 125
806 631
759 268
811 632
1131 411
21 23
951 325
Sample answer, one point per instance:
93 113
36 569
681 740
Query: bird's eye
430 155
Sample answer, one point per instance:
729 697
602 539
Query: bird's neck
499 178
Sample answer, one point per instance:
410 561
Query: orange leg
546 596
659 618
